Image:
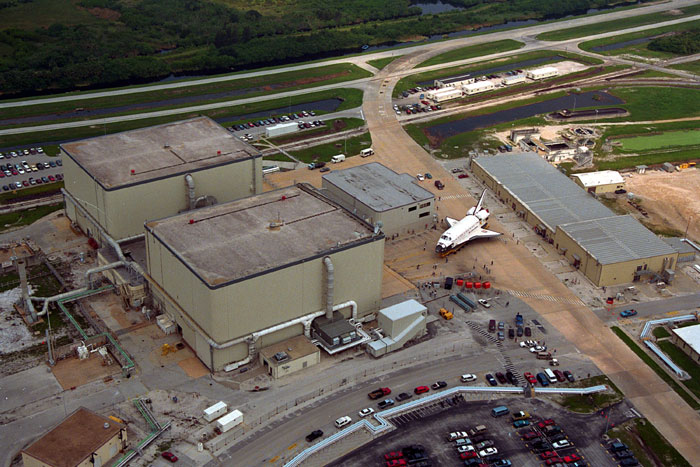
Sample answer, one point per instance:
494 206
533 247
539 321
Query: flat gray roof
617 239
454 79
230 242
157 152
679 245
547 193
378 187
403 309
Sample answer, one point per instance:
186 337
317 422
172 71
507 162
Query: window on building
412 208
423 214
424 205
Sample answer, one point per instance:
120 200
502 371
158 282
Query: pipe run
253 338
329 287
189 181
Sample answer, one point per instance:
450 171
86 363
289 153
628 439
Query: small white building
399 324
281 129
454 81
478 87
688 340
542 73
603 181
444 94
515 79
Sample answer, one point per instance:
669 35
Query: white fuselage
462 231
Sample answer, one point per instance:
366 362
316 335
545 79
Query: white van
342 421
550 375
338 158
366 152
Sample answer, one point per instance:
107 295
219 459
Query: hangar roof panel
549 194
604 177
378 187
157 152
229 242
616 239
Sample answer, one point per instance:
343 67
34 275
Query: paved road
513 263
647 310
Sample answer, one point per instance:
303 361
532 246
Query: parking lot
23 168
430 427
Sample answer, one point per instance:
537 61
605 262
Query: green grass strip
27 216
682 359
380 63
656 367
473 51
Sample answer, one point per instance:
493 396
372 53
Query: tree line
151 39
683 43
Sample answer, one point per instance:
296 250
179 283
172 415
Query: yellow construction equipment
166 349
686 165
445 314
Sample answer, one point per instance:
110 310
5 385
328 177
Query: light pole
687 227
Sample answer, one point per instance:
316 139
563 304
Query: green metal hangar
122 180
609 249
382 197
242 276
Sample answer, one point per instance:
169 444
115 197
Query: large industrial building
607 248
605 181
83 439
122 180
382 197
688 340
244 275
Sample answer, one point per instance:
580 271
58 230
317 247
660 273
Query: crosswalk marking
549 298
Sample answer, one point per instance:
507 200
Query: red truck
381 392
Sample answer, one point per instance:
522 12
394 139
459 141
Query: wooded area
684 43
137 41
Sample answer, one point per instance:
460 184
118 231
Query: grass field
693 67
668 103
590 403
44 13
261 85
656 367
323 152
681 359
20 218
639 434
347 124
473 51
660 332
638 49
382 62
617 25
45 190
664 140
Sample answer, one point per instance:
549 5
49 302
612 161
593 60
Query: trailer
478 87
281 129
542 73
215 411
444 94
466 300
515 79
230 420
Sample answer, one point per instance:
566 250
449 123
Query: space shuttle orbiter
469 228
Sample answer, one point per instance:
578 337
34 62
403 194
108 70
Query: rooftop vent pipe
190 192
329 287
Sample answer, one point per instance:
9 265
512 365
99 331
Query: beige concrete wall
395 221
609 274
167 197
30 461
87 192
258 303
688 350
278 371
608 188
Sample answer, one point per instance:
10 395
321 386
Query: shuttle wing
451 222
484 233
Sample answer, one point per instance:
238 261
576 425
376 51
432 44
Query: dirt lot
671 199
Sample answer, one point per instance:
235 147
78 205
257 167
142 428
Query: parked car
439 185
511 378
501 336
169 456
457 435
488 452
530 377
511 333
393 455
548 455
468 378
385 403
484 303
491 380
421 389
420 177
314 435
521 423
403 396
501 377
628 313
564 443
396 463
569 376
366 412
439 385
428 175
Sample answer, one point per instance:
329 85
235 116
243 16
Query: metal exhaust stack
189 181
329 287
